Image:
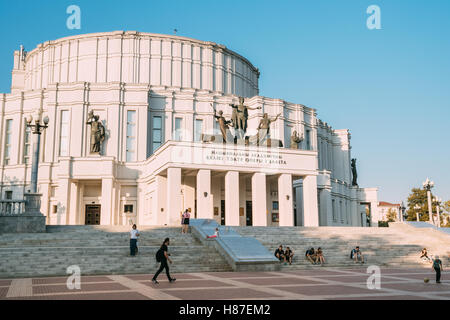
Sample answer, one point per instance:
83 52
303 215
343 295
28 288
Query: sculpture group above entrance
238 122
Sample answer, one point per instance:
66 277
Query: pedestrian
437 266
162 256
186 217
134 234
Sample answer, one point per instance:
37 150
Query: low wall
22 223
241 253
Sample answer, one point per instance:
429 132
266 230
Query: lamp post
438 203
32 198
428 185
417 208
402 211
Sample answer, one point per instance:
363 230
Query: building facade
155 96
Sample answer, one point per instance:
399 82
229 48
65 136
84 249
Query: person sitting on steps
289 254
311 255
356 255
320 258
279 253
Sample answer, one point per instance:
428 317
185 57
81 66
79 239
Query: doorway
92 216
248 215
222 212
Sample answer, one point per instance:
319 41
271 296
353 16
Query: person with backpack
162 256
134 234
437 266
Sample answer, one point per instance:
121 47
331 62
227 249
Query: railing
12 207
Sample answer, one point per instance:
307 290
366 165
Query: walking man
134 234
437 266
162 256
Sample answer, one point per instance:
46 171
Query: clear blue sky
390 87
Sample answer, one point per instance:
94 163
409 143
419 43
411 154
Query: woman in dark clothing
162 256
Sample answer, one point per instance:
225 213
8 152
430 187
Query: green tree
391 215
417 197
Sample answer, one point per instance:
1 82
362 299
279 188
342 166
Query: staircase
396 246
101 250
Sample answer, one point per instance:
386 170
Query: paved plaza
314 284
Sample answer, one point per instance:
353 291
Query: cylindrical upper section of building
140 58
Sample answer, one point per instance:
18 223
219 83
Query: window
54 209
131 136
64 134
198 129
8 195
333 207
128 208
308 140
274 205
178 128
157 132
7 153
27 145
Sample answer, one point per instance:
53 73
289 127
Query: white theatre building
155 96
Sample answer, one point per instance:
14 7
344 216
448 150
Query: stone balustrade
12 207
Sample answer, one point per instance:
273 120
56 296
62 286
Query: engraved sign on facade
247 157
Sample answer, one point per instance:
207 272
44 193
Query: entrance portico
235 185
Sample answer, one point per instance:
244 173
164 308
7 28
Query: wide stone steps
101 250
397 246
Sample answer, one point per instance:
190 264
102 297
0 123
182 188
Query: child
437 266
216 234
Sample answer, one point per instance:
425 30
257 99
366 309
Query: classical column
310 208
285 200
354 207
159 201
106 203
232 198
259 200
204 197
326 216
173 207
73 209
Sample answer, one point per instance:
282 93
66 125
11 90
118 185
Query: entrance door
249 215
92 216
222 212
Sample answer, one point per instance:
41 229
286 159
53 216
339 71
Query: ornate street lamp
438 203
402 211
36 128
428 185
417 208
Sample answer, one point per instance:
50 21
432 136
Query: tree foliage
419 197
391 215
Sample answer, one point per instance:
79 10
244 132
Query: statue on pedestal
264 128
296 140
354 173
97 132
223 124
239 118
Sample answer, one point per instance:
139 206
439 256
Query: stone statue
354 173
97 132
264 128
223 124
296 140
239 117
